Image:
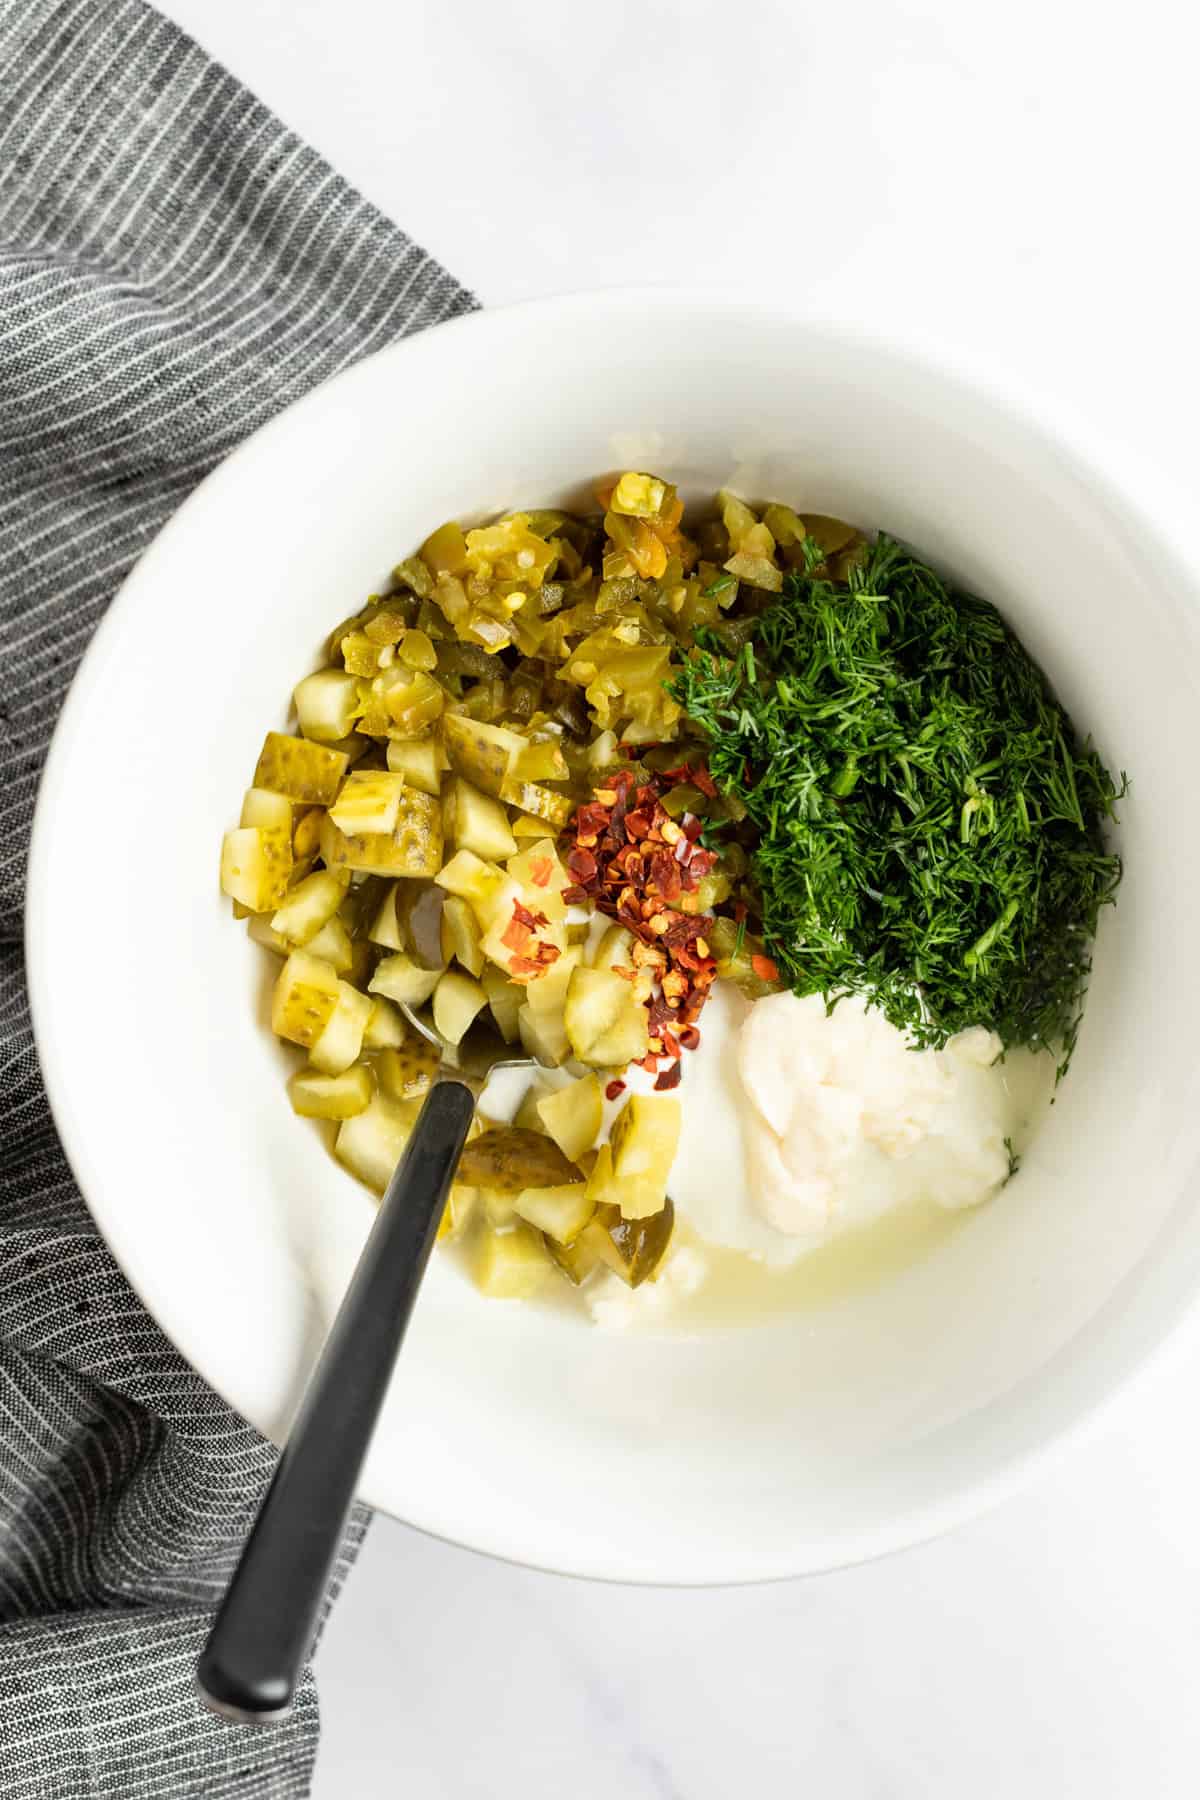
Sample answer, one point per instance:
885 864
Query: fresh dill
929 825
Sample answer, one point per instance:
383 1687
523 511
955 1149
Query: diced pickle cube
409 1070
461 935
543 1037
542 802
444 552
399 978
510 1264
317 1096
540 873
481 753
369 802
560 1212
334 945
421 761
413 701
631 1248
340 1043
509 1159
304 1000
304 771
413 850
644 1139
254 872
573 1116
638 496
606 1023
505 998
326 705
385 1028
308 905
480 822
419 908
370 1144
456 1001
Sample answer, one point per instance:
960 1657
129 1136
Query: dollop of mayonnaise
799 1124
843 1120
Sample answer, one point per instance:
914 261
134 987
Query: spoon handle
264 1629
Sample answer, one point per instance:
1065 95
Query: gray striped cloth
175 267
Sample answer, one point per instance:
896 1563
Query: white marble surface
1019 181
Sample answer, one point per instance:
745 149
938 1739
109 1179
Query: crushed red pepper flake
633 862
613 1089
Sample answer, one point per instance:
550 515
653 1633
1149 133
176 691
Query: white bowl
742 1453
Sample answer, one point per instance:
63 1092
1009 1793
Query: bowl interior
737 1453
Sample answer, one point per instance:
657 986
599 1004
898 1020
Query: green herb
930 827
721 585
1014 1161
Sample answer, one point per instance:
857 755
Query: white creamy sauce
801 1128
799 1124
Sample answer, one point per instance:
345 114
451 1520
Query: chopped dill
929 825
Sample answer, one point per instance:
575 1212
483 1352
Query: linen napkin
175 267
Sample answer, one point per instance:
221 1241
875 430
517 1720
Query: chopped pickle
408 1070
526 826
271 813
309 905
481 884
333 944
480 822
419 907
644 1139
413 701
498 1209
831 534
638 496
399 978
327 704
631 1248
561 1212
340 1043
605 1022
254 873
578 1260
540 762
258 927
444 552
542 802
385 1028
368 803
510 1159
573 1116
461 1203
384 929
371 1143
461 936
412 850
306 833
457 999
505 998
421 761
543 1036
304 999
511 1264
481 753
400 850
543 877
527 1115
318 1096
304 771
759 571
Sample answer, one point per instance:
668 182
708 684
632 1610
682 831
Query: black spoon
263 1632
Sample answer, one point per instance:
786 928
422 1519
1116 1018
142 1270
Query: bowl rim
1123 492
